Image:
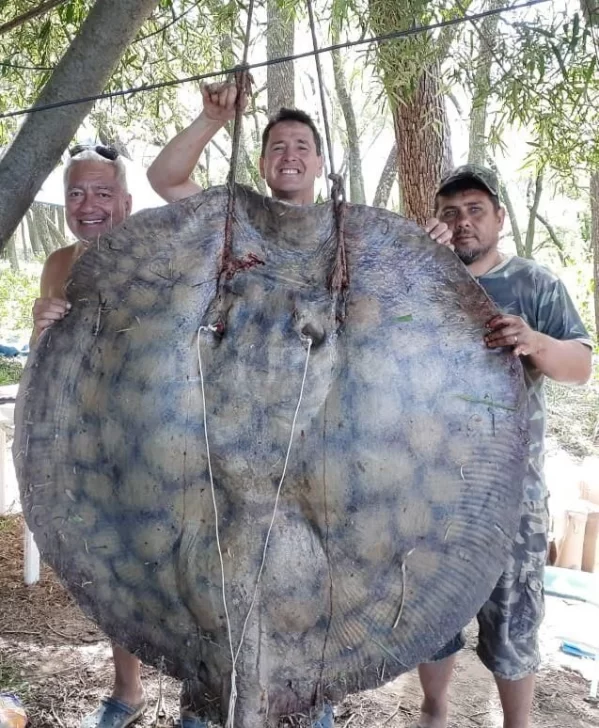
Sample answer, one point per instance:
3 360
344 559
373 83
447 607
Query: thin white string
235 654
233 698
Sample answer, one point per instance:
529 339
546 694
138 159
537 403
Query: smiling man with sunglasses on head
96 200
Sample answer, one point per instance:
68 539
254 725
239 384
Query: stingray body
387 510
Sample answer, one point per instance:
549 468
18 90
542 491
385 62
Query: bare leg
127 677
127 703
435 678
516 700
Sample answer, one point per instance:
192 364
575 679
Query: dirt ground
59 664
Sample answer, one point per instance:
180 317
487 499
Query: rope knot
337 188
243 79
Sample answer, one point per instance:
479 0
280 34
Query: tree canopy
532 69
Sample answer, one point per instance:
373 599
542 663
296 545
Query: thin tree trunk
60 221
511 212
590 11
11 252
280 37
40 214
487 32
553 236
594 194
354 162
36 244
58 238
386 180
505 197
24 246
532 216
83 71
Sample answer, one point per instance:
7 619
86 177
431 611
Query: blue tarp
7 350
572 584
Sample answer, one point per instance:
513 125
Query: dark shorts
508 635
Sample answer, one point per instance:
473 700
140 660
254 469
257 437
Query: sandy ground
59 664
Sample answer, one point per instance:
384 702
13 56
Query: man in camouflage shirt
541 325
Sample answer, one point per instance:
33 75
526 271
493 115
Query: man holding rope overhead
540 324
96 200
290 161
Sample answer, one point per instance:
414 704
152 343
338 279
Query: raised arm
170 173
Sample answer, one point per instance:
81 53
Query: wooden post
32 558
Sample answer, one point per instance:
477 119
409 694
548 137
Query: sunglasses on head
106 152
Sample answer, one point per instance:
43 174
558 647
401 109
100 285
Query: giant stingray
366 454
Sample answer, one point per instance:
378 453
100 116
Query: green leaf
487 402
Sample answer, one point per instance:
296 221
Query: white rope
235 654
233 698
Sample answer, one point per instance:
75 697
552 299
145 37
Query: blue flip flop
325 719
113 713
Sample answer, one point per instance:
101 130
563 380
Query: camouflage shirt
523 288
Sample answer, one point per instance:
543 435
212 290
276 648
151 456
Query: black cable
19 67
283 59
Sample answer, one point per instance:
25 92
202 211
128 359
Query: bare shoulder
56 270
61 257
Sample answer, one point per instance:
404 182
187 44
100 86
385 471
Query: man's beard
469 256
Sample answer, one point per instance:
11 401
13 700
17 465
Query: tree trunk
487 32
386 180
354 162
83 71
58 239
41 215
423 151
280 37
411 73
34 238
11 252
554 238
504 196
24 246
533 208
594 194
60 221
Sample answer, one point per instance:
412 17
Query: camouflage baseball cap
483 176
